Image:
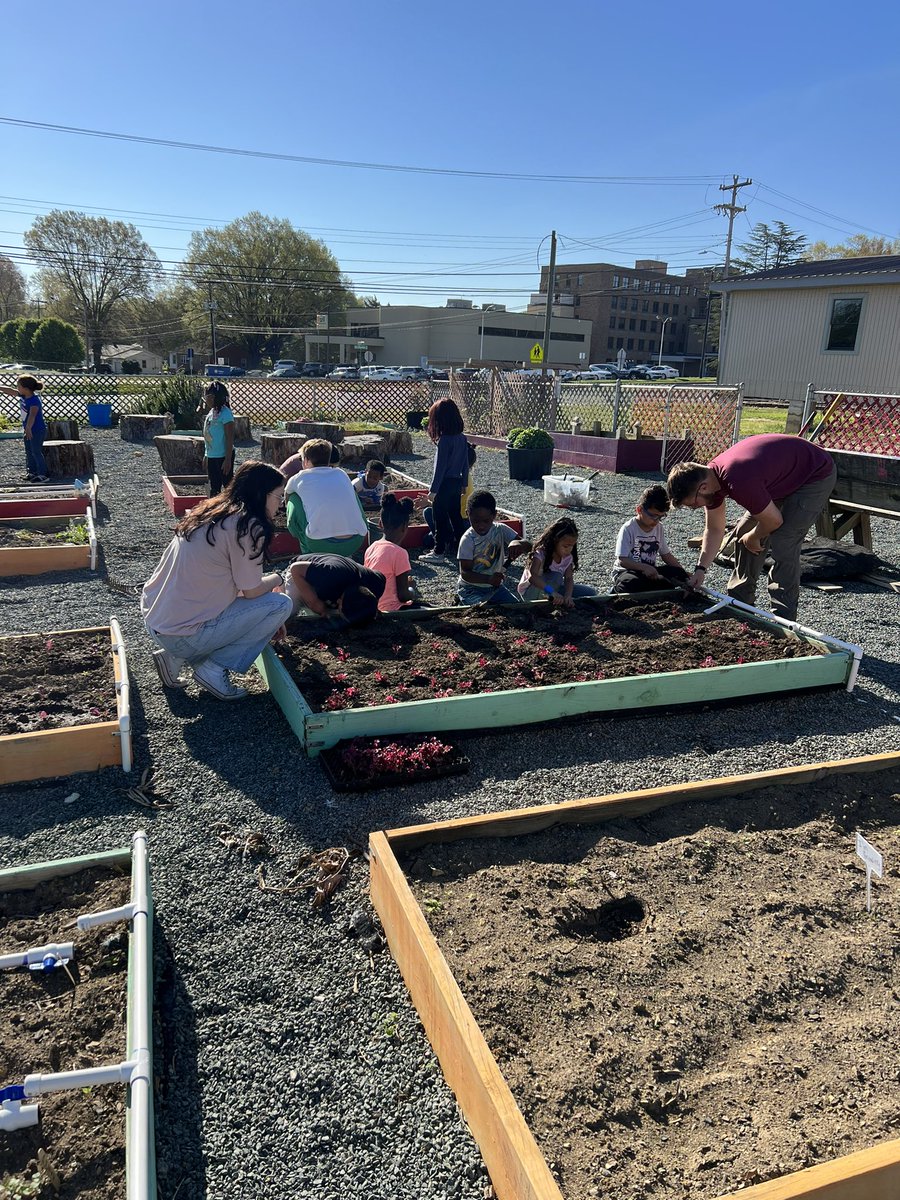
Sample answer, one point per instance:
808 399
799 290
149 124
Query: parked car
314 370
214 371
345 372
283 364
438 373
378 373
662 373
285 373
418 373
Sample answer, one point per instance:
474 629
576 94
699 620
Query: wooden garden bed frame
49 500
46 753
517 1168
834 665
179 505
416 487
140 1151
37 560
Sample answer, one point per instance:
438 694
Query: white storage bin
565 491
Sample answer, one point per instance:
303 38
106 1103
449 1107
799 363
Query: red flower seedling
492 628
709 661
95 712
378 677
335 701
571 648
520 641
43 716
482 661
48 645
436 645
741 658
342 678
606 633
465 686
342 654
453 656
390 700
543 653
351 692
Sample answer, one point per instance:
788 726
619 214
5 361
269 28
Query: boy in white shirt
641 545
324 512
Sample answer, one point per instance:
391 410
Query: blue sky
799 97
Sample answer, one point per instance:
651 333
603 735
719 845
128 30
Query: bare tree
12 289
91 267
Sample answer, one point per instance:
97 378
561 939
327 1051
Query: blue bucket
100 415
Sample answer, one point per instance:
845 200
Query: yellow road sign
537 353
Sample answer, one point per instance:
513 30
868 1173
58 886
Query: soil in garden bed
25 538
191 489
689 1002
55 680
485 650
50 1023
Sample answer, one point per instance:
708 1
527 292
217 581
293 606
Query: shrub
180 396
530 439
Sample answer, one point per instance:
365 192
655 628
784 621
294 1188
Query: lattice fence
860 422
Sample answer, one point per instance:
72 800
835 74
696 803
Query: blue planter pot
100 415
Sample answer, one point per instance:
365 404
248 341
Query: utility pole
551 287
87 339
731 211
211 307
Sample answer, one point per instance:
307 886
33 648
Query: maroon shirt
769 466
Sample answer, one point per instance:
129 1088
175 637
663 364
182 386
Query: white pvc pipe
794 626
123 693
92 538
67 1081
36 954
16 1115
139 1149
108 916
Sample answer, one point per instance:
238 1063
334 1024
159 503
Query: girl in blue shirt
218 433
451 470
27 389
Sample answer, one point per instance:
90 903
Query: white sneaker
169 668
433 557
214 679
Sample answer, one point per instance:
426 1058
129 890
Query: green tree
861 245
267 279
12 288
16 338
56 343
769 247
91 267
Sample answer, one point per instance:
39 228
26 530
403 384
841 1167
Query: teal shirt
214 430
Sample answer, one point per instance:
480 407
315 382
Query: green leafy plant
179 396
530 439
74 534
15 1186
390 1025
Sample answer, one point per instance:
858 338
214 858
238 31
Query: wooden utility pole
551 288
731 211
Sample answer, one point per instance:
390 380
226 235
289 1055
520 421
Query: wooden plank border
517 1168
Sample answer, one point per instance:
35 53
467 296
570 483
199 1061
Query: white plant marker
874 865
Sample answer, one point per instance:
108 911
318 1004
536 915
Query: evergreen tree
769 247
56 344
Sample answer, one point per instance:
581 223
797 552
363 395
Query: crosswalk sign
537 353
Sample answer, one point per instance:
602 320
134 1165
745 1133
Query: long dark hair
562 527
395 513
245 497
444 418
219 393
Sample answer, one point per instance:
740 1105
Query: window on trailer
843 326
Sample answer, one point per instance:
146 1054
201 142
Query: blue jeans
558 583
235 638
34 454
469 593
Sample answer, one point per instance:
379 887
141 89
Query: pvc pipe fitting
37 955
67 1081
16 1115
125 912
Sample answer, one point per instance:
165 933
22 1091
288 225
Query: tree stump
141 427
242 429
276 447
63 431
358 449
180 455
64 459
316 429
399 441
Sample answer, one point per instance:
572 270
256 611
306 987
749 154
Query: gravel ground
293 1064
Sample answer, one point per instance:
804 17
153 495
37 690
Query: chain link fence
855 421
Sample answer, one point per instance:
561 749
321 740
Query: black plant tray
336 773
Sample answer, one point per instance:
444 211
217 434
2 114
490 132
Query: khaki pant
799 512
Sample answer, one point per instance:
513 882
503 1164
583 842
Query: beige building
834 324
458 333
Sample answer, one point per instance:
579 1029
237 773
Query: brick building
633 308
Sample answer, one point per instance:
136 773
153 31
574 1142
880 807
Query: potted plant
415 419
530 453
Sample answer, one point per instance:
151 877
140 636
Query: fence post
807 405
556 388
665 437
738 409
315 400
617 401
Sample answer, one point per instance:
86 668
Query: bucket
100 415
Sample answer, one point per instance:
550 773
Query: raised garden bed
606 453
66 705
693 1003
49 499
182 492
95 1141
35 545
423 671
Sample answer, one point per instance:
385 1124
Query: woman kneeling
208 602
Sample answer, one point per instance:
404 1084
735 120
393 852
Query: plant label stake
874 865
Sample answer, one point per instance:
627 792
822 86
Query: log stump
180 455
399 441
276 447
358 449
65 459
242 429
141 427
317 429
63 431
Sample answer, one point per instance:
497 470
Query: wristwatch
700 567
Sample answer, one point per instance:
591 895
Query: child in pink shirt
388 556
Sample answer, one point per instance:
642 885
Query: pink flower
543 653
339 678
572 649
378 677
709 661
43 716
520 641
453 656
482 661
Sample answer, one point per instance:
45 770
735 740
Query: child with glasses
644 561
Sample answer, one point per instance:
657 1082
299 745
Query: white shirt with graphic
642 545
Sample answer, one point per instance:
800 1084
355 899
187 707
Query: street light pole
662 334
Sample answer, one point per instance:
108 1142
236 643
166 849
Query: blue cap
14 1092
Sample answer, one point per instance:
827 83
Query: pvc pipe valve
13 1113
39 958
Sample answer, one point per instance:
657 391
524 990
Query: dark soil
191 489
50 681
691 1002
11 538
489 650
50 1024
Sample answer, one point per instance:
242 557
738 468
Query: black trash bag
822 559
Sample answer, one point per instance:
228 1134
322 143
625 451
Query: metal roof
882 268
